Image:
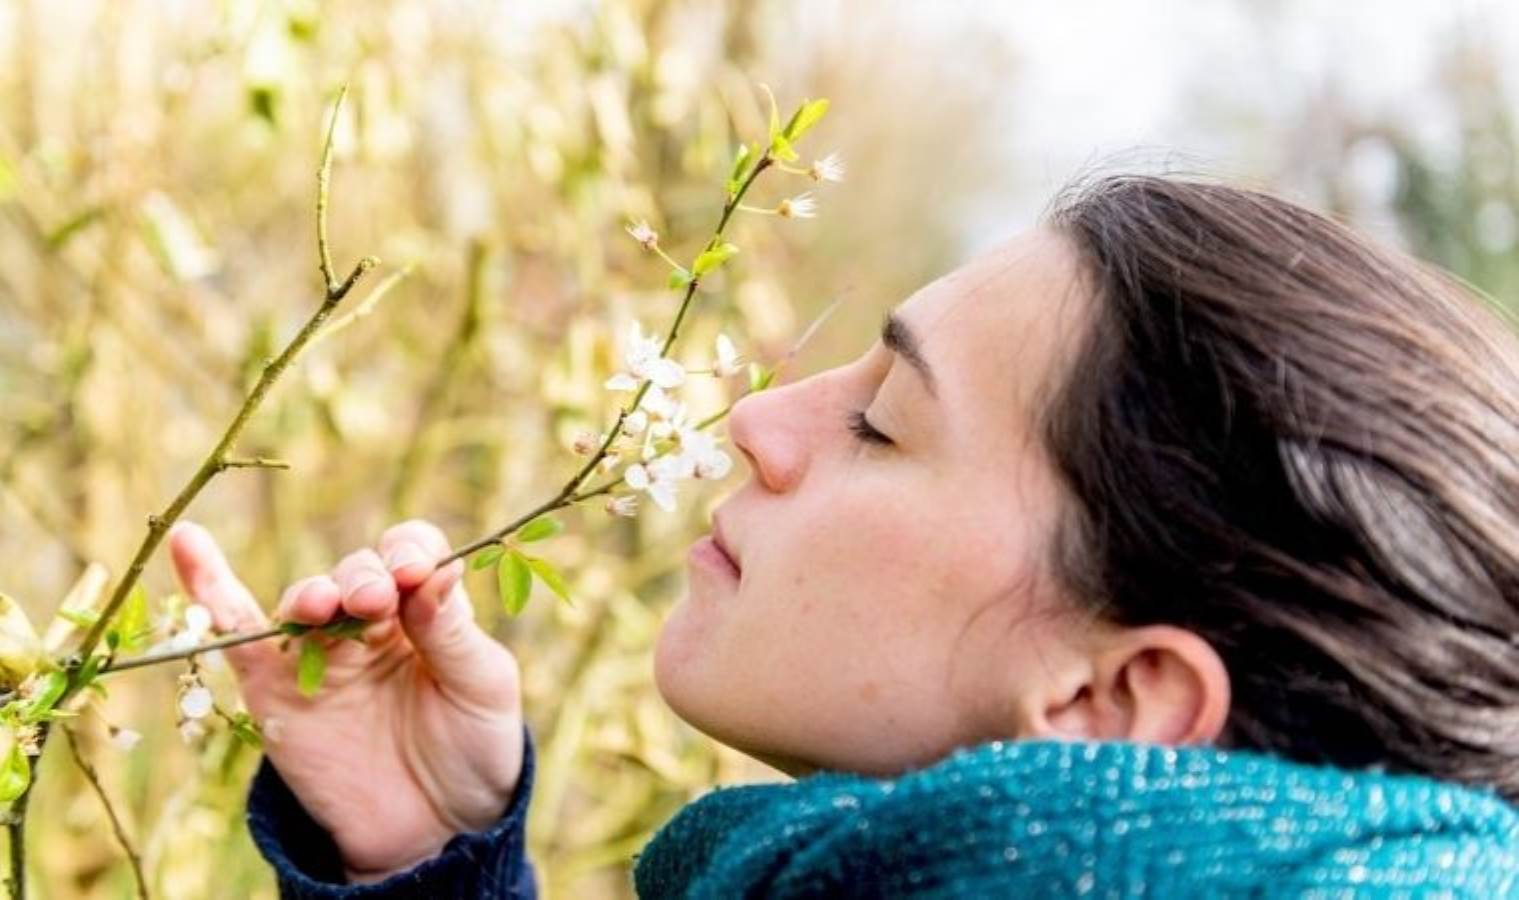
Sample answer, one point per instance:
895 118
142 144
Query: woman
1172 545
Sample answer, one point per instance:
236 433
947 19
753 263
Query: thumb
440 624
208 580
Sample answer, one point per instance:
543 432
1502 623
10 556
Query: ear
1156 684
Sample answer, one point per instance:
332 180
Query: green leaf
740 168
244 730
15 773
711 259
346 628
759 377
51 687
263 99
540 528
515 580
550 576
90 669
780 148
82 618
311 668
486 558
806 116
679 278
132 622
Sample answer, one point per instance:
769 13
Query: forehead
998 327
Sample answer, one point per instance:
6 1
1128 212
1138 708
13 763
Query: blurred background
157 184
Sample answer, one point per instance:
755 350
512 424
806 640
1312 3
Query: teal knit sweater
1052 819
1028 819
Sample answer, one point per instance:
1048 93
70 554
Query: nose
768 428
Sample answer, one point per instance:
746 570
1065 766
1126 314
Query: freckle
870 692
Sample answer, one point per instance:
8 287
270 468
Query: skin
893 602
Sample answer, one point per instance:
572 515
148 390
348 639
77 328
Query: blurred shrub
157 165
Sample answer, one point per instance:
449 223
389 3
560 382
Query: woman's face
888 595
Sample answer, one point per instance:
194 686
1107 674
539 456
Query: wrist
378 867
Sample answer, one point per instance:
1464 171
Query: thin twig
435 395
364 307
323 179
254 462
221 643
90 775
567 494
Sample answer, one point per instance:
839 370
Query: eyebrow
900 339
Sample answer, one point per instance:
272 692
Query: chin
676 663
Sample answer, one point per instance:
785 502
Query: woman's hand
416 734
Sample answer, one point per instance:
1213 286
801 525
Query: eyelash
864 431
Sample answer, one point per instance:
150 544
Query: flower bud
625 505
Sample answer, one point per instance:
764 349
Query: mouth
721 543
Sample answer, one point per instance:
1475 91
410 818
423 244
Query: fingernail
402 556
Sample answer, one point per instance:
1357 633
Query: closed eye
864 431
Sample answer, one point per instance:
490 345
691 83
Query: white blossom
728 361
190 730
586 443
195 703
659 404
707 461
654 479
802 206
124 738
642 356
273 728
197 620
829 168
674 422
644 234
635 423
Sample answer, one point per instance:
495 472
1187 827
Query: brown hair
1301 446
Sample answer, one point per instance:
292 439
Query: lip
706 553
722 544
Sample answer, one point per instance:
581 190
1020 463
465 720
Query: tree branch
90 775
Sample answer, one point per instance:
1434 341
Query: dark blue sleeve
488 864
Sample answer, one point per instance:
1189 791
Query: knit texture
490 864
1026 819
1095 819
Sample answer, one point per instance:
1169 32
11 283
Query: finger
366 588
207 578
310 601
440 624
410 551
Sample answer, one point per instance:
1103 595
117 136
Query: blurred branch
255 462
441 385
90 775
364 307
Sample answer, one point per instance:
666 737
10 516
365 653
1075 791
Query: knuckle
421 532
